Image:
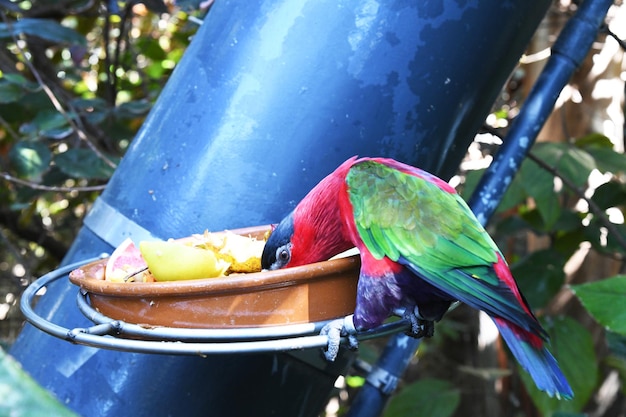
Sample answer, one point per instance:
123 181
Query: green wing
403 213
398 214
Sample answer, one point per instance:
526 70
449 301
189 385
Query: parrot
421 249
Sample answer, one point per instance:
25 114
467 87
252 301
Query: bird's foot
334 330
420 327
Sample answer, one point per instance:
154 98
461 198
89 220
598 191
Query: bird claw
420 327
334 330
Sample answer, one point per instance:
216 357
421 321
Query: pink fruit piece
126 264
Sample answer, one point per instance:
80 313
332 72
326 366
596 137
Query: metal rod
121 336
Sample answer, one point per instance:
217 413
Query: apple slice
171 261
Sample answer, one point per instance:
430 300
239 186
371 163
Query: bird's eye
283 255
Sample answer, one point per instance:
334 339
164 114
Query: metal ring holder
114 334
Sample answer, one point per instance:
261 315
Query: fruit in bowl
303 294
207 255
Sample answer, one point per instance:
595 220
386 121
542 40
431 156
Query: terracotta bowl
310 293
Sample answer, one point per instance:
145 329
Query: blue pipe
568 52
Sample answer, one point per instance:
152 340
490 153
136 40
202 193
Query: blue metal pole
568 52
270 97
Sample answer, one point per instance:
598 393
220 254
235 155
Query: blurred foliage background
79 76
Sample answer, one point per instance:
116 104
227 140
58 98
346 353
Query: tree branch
36 186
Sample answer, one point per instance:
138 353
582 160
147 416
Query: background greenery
79 76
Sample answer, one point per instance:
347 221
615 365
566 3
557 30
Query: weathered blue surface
269 98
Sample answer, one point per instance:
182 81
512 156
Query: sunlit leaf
576 165
424 398
604 300
30 159
355 381
572 346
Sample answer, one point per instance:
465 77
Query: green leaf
19 79
572 346
22 396
604 300
30 159
576 165
9 92
133 108
424 398
540 276
539 184
570 162
608 160
550 210
610 194
569 232
83 163
567 242
593 140
44 29
150 48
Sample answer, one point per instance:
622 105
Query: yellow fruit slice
172 261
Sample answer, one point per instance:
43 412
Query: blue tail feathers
538 362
